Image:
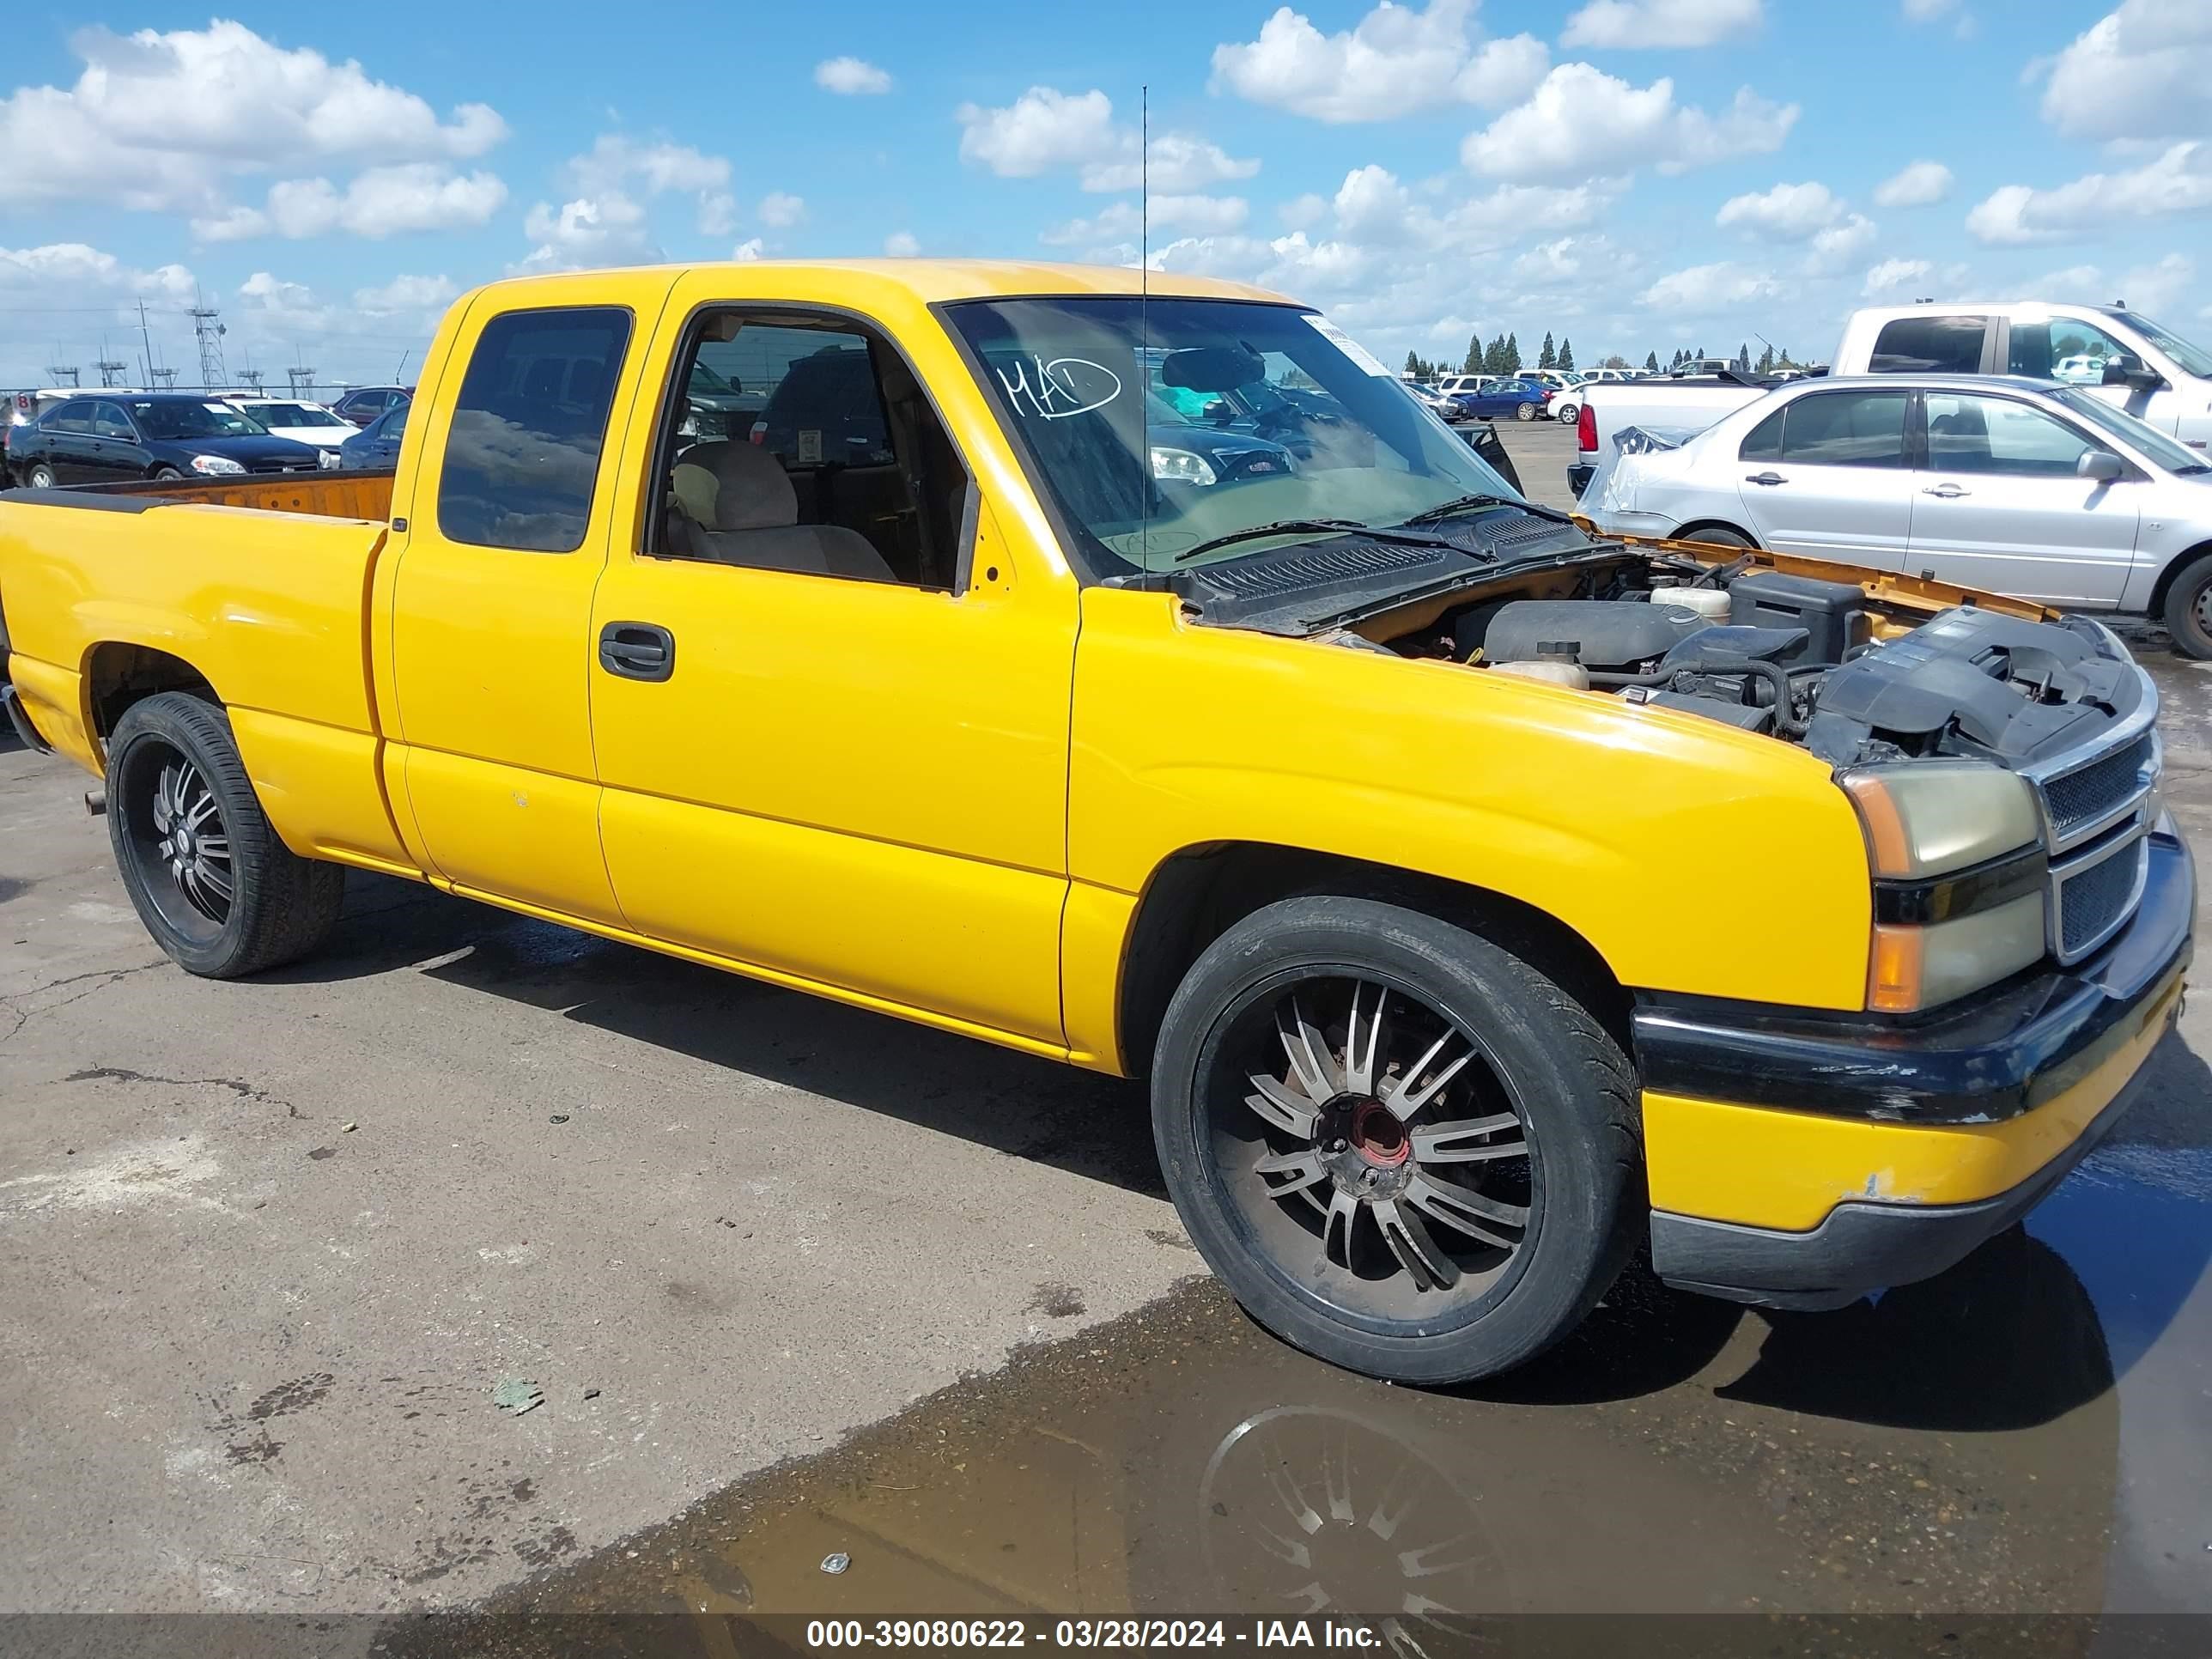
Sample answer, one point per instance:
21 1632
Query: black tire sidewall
2190 639
1582 1161
177 721
31 477
162 474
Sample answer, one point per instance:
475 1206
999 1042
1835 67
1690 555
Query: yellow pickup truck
1145 680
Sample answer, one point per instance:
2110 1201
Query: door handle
637 651
1764 478
1947 492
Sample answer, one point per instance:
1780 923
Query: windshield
2189 358
293 415
191 420
2147 440
1077 382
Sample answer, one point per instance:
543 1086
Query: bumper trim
2007 1053
1858 1247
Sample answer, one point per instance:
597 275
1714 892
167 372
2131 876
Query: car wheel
214 884
1713 535
1525 412
165 474
40 477
1403 1148
2188 609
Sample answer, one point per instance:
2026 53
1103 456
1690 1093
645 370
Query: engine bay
1818 663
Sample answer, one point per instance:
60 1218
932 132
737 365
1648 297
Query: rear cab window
1930 345
522 459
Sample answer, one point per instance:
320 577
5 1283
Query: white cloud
1618 25
378 202
157 120
853 77
1927 11
2141 71
1917 184
1396 60
747 251
404 294
1840 243
1891 275
76 269
1206 215
901 245
1047 130
1303 212
1581 122
589 230
718 213
2155 288
606 221
613 162
2178 181
1787 213
780 210
1504 71
1705 290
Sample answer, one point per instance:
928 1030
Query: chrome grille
2095 897
2077 800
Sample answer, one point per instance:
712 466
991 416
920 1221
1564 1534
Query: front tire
214 884
2188 609
1403 1148
166 474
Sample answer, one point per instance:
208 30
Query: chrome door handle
1950 492
1764 478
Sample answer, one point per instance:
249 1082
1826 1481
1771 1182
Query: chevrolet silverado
1482 901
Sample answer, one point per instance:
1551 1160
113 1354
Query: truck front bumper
1801 1160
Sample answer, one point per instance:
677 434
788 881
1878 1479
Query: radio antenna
1145 482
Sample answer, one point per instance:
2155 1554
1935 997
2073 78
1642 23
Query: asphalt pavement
790 1279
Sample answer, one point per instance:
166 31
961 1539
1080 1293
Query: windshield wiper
1312 528
1465 503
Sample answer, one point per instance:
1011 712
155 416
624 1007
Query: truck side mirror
2129 370
2099 466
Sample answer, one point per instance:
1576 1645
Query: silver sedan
1992 484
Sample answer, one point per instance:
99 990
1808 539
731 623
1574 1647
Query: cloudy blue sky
1638 174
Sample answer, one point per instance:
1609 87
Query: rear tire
214 884
2188 609
1342 1224
40 477
1525 412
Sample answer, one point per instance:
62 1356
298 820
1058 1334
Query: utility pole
302 378
62 371
166 379
251 377
146 339
111 370
209 331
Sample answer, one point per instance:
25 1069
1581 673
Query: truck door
2071 348
1824 477
502 534
830 699
1997 508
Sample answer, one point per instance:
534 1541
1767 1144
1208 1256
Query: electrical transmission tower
62 371
251 376
301 378
166 379
209 331
111 371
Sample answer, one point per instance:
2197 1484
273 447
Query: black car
127 435
375 446
365 405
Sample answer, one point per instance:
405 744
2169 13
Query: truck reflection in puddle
1950 1447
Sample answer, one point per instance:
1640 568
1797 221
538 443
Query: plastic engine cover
1601 634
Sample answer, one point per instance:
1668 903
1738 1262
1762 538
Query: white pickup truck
2120 355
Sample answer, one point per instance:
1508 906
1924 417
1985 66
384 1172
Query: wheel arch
117 673
2174 566
1688 533
1199 892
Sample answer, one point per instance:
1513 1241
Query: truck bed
365 495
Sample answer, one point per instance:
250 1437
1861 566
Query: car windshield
2189 358
2146 440
1078 380
293 415
184 419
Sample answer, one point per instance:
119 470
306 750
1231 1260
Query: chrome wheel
175 829
42 477
1372 1148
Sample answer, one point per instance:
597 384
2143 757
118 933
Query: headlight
1960 876
216 466
1180 466
330 458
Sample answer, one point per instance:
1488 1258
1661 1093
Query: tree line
1503 356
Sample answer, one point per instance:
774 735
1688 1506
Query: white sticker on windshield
1344 342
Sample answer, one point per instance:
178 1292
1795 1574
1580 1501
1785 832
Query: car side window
1998 436
71 418
1930 345
109 421
1765 441
1845 429
802 442
522 459
2063 349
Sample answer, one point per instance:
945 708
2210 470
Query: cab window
522 459
1845 429
2063 349
1930 345
1998 436
802 442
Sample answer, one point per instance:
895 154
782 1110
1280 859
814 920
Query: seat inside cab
805 443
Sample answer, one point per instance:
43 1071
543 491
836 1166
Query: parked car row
2048 452
58 438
